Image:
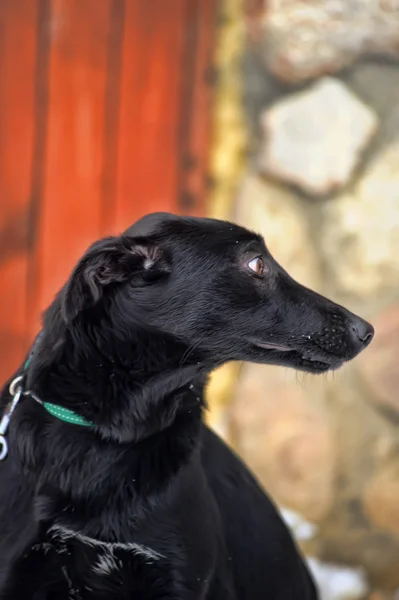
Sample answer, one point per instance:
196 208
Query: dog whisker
190 350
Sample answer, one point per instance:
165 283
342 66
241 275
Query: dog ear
111 261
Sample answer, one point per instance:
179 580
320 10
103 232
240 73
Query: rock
277 214
337 582
285 438
379 364
303 39
380 499
314 139
360 231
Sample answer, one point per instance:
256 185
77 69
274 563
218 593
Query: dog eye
257 265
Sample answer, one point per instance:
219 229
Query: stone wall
320 95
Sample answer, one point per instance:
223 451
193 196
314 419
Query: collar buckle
16 391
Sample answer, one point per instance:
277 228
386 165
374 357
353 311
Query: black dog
139 500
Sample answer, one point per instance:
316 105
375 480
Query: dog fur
149 504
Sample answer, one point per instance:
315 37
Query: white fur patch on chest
107 549
106 564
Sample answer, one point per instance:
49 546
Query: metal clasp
16 392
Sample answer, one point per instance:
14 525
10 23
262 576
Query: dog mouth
305 360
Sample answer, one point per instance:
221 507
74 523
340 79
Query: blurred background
282 115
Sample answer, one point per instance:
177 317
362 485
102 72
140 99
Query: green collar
61 413
66 415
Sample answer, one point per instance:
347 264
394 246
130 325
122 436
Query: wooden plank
71 204
149 111
17 74
195 105
112 109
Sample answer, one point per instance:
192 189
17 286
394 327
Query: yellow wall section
227 163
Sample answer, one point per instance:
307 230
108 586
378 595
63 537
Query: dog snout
361 333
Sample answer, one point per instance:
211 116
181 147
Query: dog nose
362 333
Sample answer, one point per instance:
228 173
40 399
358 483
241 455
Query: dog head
214 288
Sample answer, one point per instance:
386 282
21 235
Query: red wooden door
104 108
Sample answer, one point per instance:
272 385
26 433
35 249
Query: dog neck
154 415
128 391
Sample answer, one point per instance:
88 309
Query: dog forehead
149 224
194 228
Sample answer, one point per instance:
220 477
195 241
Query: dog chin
295 359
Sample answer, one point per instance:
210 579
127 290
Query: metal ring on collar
13 388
